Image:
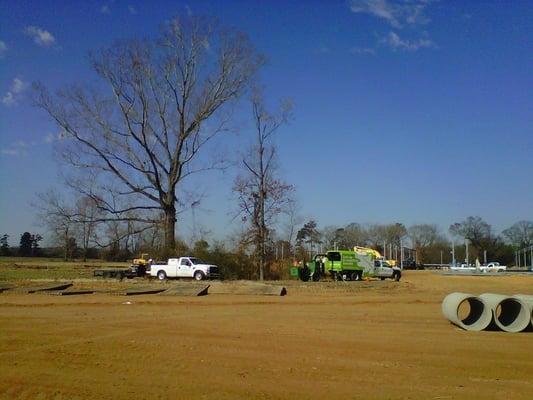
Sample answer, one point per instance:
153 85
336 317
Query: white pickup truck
493 267
490 267
184 267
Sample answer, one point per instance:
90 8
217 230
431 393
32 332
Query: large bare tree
160 103
262 196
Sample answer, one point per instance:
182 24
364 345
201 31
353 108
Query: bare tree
474 229
87 216
166 99
423 235
293 219
520 234
262 196
58 216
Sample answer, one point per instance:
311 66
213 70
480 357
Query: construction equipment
348 265
372 252
143 260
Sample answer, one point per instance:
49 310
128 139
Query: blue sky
412 111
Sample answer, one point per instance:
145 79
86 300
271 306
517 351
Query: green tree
26 242
201 249
4 245
310 235
35 250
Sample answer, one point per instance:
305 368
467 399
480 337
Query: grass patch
20 268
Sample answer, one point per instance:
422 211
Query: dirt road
383 340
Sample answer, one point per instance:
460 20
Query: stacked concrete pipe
510 314
479 315
528 299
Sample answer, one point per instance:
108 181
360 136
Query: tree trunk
262 260
170 225
66 245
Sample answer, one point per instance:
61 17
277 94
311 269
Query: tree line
236 255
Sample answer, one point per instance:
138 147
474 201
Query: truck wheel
316 276
397 276
303 274
161 275
198 275
383 278
355 276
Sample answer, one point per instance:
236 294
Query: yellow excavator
143 260
376 254
141 265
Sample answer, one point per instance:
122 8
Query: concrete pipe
528 299
510 314
467 311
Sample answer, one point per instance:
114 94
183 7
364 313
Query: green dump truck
347 265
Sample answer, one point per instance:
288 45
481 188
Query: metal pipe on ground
510 314
467 311
528 299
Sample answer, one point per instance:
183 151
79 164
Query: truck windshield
334 256
197 261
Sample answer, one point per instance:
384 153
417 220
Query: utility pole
441 257
401 254
484 257
466 252
453 253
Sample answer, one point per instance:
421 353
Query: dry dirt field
376 340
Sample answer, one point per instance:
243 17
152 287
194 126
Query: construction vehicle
141 265
185 267
347 265
143 260
375 253
136 270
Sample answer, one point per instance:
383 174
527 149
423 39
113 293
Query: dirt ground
350 340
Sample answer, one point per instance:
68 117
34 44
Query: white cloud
132 9
362 50
10 152
15 90
20 144
396 43
40 36
18 148
8 99
396 13
3 49
18 85
54 137
105 9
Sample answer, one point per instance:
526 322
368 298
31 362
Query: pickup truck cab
185 267
383 270
493 267
462 267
